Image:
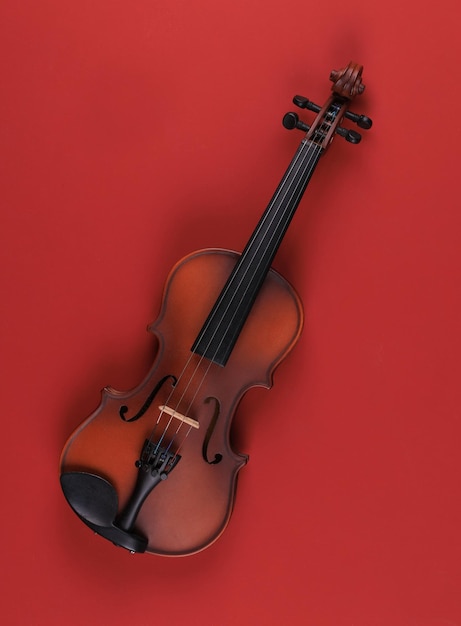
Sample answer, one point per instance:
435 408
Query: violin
152 470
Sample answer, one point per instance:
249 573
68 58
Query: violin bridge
187 420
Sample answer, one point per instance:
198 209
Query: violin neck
225 321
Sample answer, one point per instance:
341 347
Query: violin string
311 161
314 154
266 216
166 403
176 409
191 402
311 164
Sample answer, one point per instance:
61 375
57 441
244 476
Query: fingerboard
227 317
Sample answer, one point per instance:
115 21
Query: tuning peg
361 120
291 121
304 103
349 135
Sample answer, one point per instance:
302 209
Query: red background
136 132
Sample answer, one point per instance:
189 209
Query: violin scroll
347 85
348 81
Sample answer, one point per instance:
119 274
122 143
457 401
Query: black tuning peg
304 103
291 121
349 135
361 120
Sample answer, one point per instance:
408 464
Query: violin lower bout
190 507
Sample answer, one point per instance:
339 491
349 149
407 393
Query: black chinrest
93 498
95 501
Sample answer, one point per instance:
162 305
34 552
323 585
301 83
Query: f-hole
148 402
217 457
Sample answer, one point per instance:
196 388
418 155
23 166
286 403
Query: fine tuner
291 120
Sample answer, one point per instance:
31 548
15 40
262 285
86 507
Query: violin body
153 469
190 509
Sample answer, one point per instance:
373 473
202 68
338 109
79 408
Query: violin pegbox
347 84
